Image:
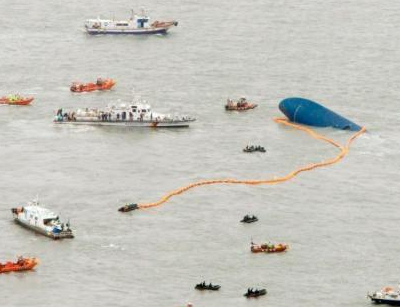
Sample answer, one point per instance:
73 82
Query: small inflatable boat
241 105
255 293
249 219
100 85
204 286
269 248
22 264
16 100
254 149
128 207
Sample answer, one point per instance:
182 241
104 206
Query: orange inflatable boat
269 248
16 100
100 85
22 264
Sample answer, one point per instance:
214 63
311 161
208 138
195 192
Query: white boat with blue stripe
41 220
136 24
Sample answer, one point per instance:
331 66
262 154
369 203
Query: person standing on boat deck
151 116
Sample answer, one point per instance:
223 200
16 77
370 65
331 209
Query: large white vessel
131 115
41 220
387 296
136 24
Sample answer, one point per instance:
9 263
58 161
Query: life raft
16 100
22 264
100 85
269 248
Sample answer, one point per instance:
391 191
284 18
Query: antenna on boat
132 14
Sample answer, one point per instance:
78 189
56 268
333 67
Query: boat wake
113 246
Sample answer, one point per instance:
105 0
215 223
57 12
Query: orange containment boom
343 151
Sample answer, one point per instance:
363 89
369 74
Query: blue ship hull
307 112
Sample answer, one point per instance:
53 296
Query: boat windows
144 110
48 221
120 24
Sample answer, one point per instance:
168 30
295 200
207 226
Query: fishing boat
100 85
128 207
387 295
204 286
268 248
255 293
41 220
136 24
16 100
127 115
241 105
22 264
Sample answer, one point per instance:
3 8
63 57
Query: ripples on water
341 222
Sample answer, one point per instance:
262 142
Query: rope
343 151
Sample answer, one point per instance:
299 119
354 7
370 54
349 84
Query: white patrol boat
131 115
41 220
387 296
136 24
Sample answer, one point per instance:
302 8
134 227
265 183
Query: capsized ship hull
308 112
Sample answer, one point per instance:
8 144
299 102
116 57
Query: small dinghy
249 219
22 264
268 248
254 293
16 100
253 148
100 85
241 105
204 286
128 207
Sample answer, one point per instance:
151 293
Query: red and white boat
16 100
241 105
